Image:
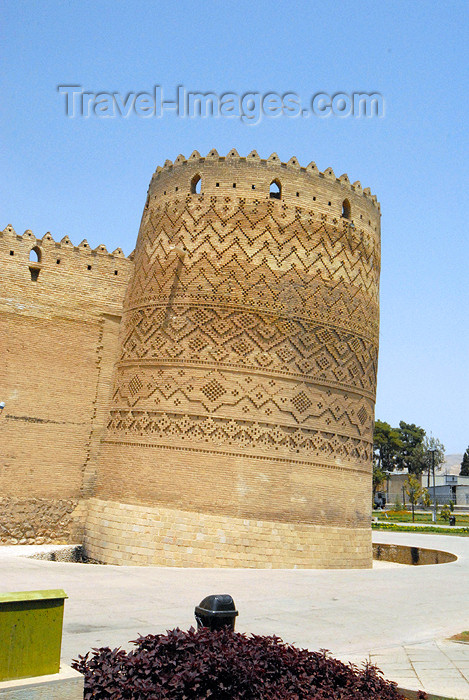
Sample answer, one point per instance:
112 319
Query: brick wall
59 322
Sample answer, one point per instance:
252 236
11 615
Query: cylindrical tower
240 430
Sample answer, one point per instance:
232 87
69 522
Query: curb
413 694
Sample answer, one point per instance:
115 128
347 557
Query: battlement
296 175
41 273
47 243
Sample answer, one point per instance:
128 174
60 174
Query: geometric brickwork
248 351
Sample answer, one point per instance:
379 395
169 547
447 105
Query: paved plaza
400 616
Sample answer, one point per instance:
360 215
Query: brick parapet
75 281
260 172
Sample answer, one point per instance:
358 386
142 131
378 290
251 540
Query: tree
386 446
410 456
445 512
432 451
465 464
406 447
426 498
414 490
379 475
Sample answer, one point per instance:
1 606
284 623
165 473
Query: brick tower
240 429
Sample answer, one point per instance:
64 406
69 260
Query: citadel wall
59 323
240 429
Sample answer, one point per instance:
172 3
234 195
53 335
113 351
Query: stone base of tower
120 533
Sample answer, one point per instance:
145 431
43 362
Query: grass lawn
405 516
401 520
408 527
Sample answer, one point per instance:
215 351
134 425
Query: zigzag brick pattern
246 378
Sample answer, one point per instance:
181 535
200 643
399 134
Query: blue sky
88 177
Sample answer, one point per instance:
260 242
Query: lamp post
433 450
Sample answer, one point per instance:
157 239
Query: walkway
396 614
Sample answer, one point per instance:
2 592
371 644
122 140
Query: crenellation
47 245
252 179
119 253
273 161
293 163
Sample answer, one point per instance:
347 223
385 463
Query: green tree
414 490
431 451
379 476
411 454
465 464
426 498
445 512
386 446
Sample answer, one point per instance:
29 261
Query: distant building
448 487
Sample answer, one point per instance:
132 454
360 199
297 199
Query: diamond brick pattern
265 290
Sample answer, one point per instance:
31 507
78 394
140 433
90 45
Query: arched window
275 189
196 184
346 210
35 254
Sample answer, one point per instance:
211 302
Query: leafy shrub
445 512
397 503
225 665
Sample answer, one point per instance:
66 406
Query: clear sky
87 177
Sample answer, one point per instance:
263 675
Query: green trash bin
30 633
